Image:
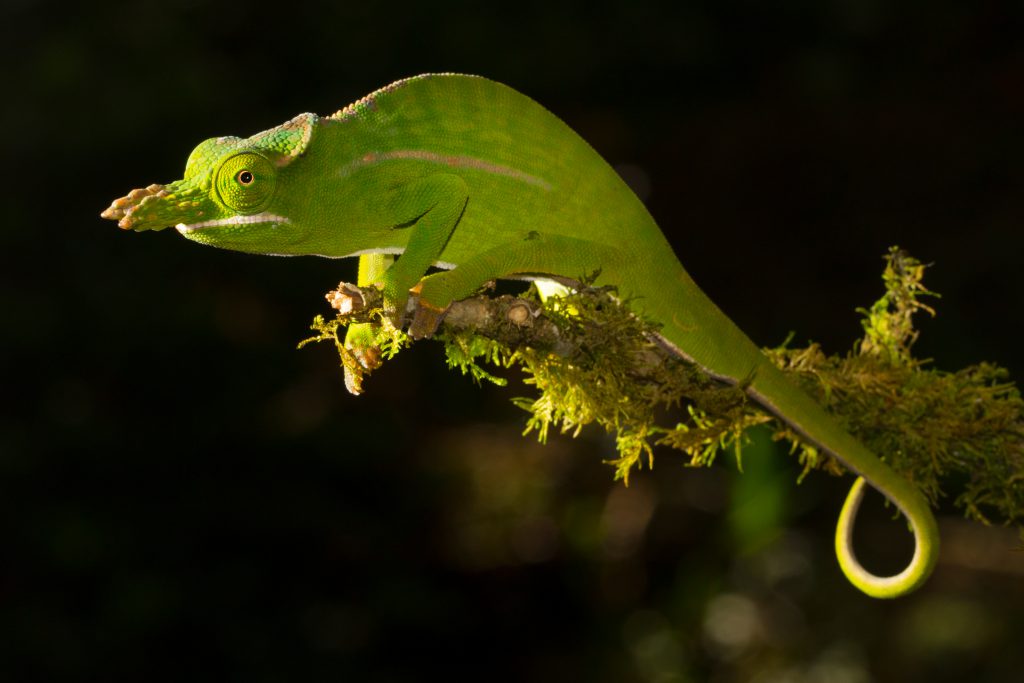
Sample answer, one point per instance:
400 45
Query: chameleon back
527 171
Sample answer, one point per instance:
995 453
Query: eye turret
245 182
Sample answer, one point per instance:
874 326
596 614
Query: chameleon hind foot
426 317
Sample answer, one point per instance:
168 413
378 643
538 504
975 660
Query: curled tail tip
926 546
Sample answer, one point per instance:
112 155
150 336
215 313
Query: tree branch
593 361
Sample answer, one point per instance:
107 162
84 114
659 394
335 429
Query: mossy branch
593 361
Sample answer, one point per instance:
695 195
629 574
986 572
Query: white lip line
233 220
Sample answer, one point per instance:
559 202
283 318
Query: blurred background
185 496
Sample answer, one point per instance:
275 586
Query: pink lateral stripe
453 161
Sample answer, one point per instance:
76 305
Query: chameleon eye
245 182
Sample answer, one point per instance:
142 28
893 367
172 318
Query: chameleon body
469 175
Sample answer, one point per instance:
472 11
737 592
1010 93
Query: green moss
594 362
466 350
930 425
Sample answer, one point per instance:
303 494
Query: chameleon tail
926 535
773 390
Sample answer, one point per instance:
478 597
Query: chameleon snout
121 209
160 206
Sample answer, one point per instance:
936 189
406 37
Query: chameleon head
229 196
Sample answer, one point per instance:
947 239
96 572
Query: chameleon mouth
265 217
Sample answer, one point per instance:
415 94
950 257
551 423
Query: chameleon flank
468 174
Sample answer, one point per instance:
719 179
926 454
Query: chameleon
470 177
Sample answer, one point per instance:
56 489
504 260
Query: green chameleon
468 175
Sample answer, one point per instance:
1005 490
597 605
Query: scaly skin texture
468 174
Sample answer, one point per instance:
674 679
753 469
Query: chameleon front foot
364 355
360 353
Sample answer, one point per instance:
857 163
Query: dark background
184 496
